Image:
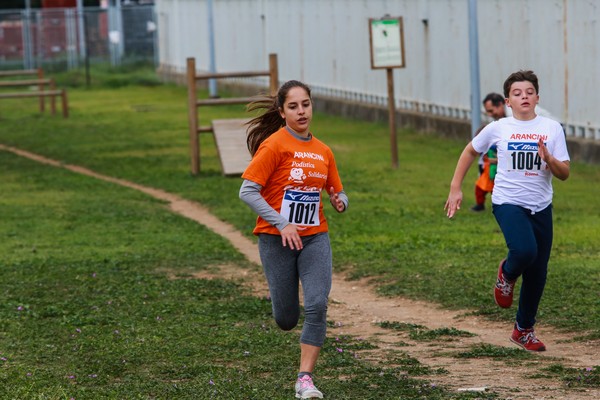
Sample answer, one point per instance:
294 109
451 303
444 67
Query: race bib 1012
301 208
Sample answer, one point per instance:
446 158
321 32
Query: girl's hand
290 236
335 200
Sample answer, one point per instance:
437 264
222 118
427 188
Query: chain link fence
60 39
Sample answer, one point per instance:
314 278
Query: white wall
326 44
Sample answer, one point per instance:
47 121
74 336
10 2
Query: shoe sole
524 348
312 395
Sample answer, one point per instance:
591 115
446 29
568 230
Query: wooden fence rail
44 88
194 104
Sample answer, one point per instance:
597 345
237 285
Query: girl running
283 184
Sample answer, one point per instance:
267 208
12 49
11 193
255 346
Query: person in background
485 182
493 104
531 150
284 184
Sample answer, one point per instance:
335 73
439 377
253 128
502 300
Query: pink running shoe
526 339
305 389
503 291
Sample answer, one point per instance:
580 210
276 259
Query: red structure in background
59 3
11 40
48 34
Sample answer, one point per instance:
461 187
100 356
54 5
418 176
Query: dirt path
355 308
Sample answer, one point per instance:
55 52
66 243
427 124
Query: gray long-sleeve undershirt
250 194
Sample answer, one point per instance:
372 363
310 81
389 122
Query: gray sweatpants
284 269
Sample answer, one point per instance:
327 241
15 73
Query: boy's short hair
521 76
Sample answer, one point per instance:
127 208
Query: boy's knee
524 255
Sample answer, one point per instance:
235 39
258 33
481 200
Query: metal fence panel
61 38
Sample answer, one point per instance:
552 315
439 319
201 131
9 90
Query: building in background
57 36
326 44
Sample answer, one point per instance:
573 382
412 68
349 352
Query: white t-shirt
522 178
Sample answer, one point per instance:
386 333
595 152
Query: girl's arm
250 194
338 200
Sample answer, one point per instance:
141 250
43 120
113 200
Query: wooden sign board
387 42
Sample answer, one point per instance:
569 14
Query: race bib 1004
301 208
523 156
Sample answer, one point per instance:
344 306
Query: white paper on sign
114 37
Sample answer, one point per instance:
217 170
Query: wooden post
53 99
40 75
386 39
273 74
193 116
392 117
65 105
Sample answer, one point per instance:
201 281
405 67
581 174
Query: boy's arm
455 196
559 169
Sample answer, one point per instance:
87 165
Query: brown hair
521 76
269 122
495 98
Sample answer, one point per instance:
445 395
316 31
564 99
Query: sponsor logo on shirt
522 146
312 197
308 154
302 164
528 136
317 175
297 175
305 188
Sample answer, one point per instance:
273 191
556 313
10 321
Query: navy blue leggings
529 240
284 269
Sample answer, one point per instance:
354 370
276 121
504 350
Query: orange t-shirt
293 173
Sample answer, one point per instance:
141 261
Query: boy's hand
453 203
543 151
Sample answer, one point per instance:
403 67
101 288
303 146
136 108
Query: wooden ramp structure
230 138
229 134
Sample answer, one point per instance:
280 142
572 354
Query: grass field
98 300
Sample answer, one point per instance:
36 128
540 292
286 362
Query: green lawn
90 310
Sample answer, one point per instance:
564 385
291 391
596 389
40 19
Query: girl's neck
305 134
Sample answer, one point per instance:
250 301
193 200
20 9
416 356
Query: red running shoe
526 339
503 291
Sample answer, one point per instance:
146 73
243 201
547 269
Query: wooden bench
44 88
230 134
